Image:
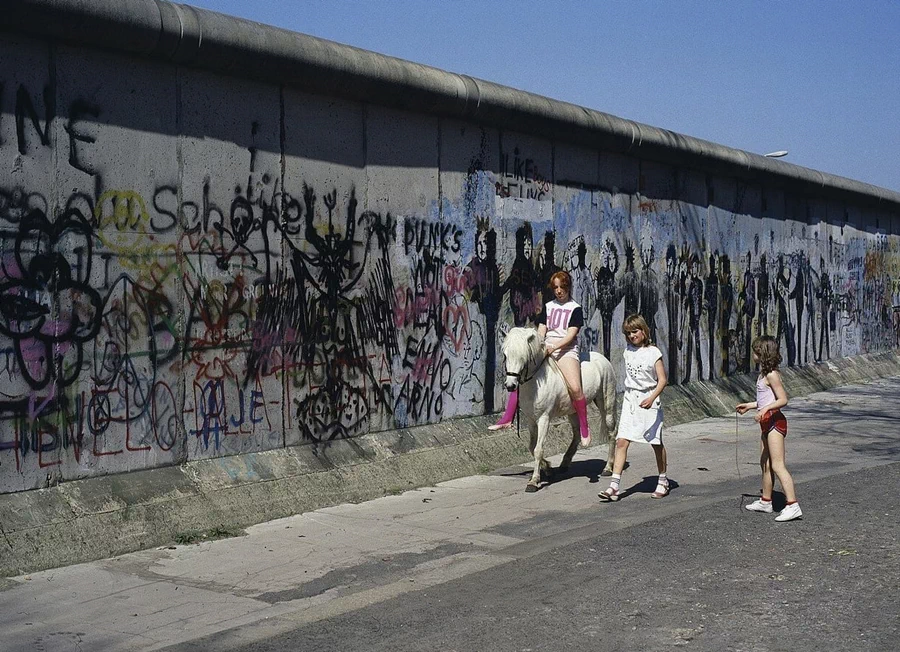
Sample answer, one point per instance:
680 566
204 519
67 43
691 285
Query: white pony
544 395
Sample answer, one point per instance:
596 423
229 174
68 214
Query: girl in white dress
642 414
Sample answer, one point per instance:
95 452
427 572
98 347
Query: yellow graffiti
124 210
123 227
139 254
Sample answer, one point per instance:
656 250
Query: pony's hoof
531 488
606 473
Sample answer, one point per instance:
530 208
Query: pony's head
522 348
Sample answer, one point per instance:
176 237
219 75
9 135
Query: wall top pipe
188 36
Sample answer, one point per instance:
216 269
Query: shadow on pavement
646 486
591 469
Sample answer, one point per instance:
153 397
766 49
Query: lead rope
518 424
737 465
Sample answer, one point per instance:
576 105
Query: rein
536 369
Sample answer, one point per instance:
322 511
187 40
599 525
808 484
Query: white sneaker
759 505
789 513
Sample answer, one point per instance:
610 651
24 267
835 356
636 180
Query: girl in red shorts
770 398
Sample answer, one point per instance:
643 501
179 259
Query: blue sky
819 79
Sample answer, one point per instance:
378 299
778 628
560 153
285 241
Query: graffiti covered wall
194 265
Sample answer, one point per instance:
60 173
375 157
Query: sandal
609 495
662 490
501 426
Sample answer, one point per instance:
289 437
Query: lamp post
778 154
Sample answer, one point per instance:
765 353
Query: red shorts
774 421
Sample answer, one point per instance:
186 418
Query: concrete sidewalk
314 566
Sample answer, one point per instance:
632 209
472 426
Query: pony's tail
609 400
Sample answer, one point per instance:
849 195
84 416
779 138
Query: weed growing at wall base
199 536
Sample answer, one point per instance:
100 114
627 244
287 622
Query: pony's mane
519 343
523 343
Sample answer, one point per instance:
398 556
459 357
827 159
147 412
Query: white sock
614 482
663 480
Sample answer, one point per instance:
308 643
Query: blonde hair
766 349
637 322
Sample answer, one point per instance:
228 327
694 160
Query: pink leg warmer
511 403
581 411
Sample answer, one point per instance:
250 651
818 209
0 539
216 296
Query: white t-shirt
640 367
559 317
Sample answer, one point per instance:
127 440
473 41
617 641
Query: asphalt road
715 577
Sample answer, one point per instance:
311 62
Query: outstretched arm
743 407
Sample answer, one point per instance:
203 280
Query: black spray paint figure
673 305
711 305
607 291
486 293
378 304
784 328
809 336
825 294
337 409
630 288
693 308
326 322
583 290
47 305
649 294
798 294
762 296
547 266
242 224
727 294
747 298
523 284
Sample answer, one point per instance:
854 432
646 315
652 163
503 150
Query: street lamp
778 154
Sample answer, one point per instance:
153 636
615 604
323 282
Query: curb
95 518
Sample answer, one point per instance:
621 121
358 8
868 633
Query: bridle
518 375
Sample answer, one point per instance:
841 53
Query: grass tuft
197 536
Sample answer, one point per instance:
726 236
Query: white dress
637 423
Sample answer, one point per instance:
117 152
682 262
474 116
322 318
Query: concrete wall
196 265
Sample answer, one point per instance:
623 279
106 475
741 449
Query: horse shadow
591 469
